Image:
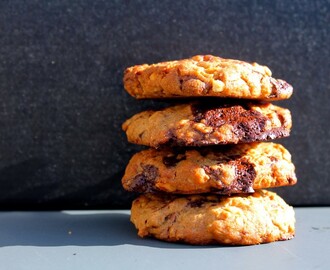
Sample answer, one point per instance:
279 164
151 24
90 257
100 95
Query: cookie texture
209 123
223 170
196 219
205 75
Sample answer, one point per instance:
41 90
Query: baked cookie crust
209 123
205 75
261 217
223 170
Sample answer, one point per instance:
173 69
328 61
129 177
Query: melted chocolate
196 204
144 182
278 87
171 161
248 124
243 183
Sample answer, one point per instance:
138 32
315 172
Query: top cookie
208 76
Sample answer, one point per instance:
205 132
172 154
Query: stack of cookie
202 179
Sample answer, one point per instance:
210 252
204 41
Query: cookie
209 123
208 76
231 220
223 170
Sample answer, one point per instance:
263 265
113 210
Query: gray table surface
107 240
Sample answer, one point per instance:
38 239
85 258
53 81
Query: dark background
63 103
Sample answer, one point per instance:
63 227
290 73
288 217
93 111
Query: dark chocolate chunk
248 124
172 160
144 182
245 174
243 183
196 203
278 87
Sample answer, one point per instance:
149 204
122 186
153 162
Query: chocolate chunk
199 109
171 161
172 140
278 87
144 182
196 204
248 124
291 180
245 125
245 174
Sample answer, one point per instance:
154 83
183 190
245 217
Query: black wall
62 100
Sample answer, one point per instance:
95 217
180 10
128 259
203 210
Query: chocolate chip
251 126
144 182
247 123
214 174
278 87
245 174
243 182
181 82
172 160
196 204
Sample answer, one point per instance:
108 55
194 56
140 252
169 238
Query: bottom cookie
257 218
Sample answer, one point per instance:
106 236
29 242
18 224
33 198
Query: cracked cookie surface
205 75
236 220
209 123
223 170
